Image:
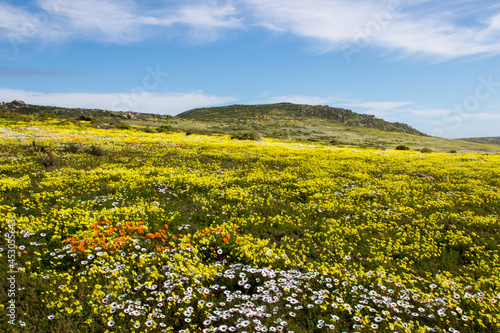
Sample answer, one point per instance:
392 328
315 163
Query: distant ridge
494 140
295 112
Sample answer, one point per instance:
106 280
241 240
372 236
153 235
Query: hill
289 114
283 121
10 110
495 140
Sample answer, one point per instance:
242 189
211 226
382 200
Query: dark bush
402 147
247 136
123 126
96 151
148 130
72 148
47 160
426 150
86 118
164 129
49 115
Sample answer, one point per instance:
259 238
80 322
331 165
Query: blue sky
431 64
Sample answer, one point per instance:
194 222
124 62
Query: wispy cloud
440 30
110 20
419 27
18 25
429 113
21 72
482 116
300 99
114 21
159 103
378 109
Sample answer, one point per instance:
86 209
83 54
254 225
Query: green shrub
48 159
426 150
123 126
49 115
96 151
148 130
72 148
402 147
247 136
86 118
164 129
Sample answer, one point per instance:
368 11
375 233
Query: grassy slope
282 121
486 140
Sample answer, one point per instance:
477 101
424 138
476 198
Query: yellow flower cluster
176 233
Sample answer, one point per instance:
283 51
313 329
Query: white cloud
206 21
331 21
108 19
165 103
115 21
417 27
413 27
301 99
430 112
18 25
482 116
379 109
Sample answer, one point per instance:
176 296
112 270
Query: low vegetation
173 233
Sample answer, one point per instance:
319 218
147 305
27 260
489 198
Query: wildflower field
127 231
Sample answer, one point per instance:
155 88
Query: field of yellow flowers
127 231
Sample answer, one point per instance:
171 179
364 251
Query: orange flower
225 240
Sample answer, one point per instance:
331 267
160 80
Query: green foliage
148 130
86 118
122 126
426 150
72 148
402 147
96 151
164 129
247 136
48 115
